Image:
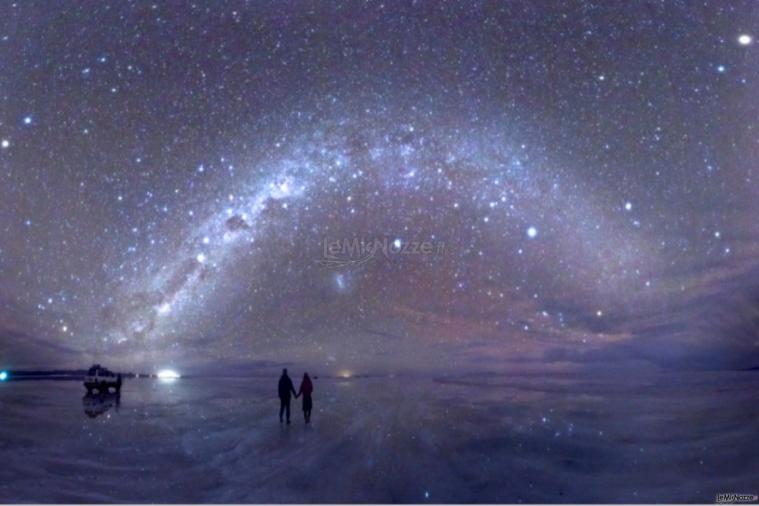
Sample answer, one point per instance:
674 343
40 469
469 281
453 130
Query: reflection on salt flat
479 438
98 404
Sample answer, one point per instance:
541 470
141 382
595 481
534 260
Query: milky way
554 184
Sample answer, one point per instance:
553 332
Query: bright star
532 232
3 376
28 120
628 206
745 39
200 258
5 143
340 282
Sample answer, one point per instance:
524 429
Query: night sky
582 177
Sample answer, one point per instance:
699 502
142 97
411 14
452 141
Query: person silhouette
285 389
306 388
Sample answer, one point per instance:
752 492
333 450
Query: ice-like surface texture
671 437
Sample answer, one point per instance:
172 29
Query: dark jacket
306 387
285 387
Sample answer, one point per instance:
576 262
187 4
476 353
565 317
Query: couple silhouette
286 390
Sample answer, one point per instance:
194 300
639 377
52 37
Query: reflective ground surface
671 437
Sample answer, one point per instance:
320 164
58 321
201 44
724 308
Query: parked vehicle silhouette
100 379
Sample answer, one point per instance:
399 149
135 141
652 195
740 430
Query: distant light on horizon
168 375
345 373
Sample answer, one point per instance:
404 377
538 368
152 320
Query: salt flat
668 437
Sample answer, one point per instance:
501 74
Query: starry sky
556 184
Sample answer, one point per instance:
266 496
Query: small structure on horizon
100 379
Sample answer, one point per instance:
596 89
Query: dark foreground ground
671 437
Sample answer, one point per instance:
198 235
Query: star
340 282
169 201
